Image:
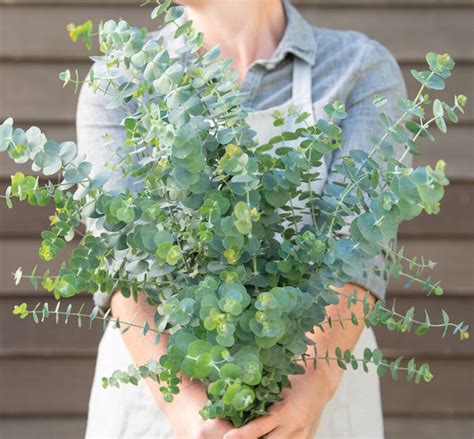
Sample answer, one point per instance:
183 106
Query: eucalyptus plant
225 236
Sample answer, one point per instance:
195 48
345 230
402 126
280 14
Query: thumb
254 429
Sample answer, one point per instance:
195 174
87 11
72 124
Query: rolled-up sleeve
99 134
378 74
99 130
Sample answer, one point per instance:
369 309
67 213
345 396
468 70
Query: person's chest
268 85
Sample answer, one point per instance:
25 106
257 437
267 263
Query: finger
216 430
254 429
279 433
288 433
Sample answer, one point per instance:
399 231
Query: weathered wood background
45 373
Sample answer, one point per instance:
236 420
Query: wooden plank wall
46 373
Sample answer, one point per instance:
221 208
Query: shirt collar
298 38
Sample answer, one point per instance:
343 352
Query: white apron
130 412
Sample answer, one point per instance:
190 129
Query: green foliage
212 235
82 31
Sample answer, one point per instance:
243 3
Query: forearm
297 415
142 347
192 396
344 336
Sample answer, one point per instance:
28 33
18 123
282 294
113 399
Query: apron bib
130 412
262 121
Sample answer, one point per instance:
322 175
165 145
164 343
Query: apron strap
302 81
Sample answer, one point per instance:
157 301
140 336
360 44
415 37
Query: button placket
251 83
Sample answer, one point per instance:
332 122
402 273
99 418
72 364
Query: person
281 60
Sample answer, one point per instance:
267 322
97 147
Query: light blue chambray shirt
347 66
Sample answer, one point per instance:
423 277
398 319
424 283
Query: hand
298 415
186 422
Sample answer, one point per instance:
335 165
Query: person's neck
245 30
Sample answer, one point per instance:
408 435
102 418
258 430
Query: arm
297 416
93 120
192 396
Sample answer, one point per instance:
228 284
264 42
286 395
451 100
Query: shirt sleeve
378 74
99 133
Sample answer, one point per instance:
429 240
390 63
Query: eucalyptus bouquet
210 230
